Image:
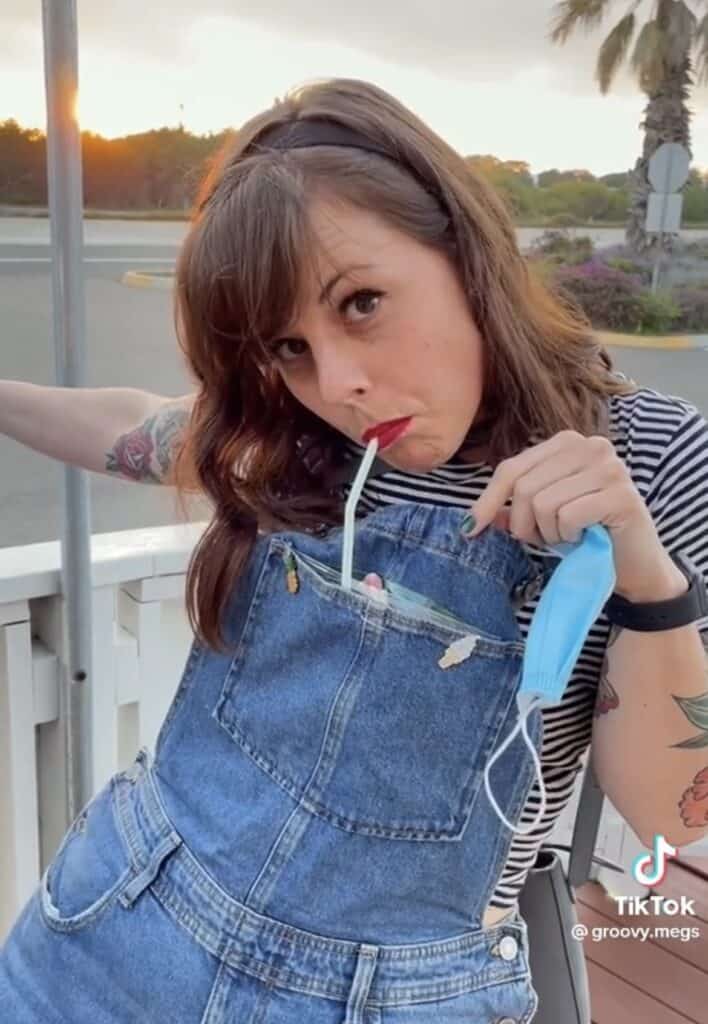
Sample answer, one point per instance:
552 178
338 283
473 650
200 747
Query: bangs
253 256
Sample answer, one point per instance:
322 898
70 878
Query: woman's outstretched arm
122 432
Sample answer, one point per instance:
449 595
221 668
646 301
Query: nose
341 373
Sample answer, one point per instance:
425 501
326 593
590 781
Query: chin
416 457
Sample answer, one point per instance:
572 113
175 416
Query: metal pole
659 251
69 316
662 225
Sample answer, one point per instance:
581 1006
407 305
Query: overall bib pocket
344 703
90 867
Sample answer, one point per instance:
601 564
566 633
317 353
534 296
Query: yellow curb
667 341
138 279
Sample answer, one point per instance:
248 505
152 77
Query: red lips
387 432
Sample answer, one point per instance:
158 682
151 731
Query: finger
554 507
539 494
499 490
372 579
502 519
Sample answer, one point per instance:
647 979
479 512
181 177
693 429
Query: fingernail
373 579
468 523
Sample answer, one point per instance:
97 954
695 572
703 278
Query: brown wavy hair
263 459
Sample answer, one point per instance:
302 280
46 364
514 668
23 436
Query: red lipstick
387 432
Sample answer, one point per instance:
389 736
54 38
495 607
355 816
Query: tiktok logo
650 868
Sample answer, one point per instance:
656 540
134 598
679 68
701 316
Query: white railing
141 639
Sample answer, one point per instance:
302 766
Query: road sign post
667 172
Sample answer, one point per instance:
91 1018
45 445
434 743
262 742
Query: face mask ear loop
520 725
350 509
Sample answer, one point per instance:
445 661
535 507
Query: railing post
19 837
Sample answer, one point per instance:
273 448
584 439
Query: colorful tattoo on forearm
696 711
607 696
693 805
146 453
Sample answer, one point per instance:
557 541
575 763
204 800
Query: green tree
617 179
554 176
588 200
663 64
23 163
512 179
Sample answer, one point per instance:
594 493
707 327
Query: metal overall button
506 948
506 1020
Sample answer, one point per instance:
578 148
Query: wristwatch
655 615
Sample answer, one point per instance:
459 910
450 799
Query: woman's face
384 332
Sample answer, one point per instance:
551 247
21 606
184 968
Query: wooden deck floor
657 981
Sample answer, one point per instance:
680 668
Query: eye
363 303
277 349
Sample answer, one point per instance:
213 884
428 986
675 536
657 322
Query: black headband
321 132
324 132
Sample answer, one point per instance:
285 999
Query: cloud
470 40
151 28
457 38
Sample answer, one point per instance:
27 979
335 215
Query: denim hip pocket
89 869
343 702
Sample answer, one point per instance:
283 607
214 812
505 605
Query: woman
347 274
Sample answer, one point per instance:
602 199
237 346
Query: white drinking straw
350 509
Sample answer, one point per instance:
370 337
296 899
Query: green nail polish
468 523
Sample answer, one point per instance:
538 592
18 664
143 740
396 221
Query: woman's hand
570 481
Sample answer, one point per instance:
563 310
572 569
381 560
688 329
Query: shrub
627 266
609 298
561 248
692 303
563 220
659 312
545 269
698 248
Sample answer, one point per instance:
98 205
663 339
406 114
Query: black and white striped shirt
663 441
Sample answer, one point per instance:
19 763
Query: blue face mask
570 603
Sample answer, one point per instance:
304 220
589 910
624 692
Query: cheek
456 360
298 387
305 391
469 357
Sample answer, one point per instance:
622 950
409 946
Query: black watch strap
670 614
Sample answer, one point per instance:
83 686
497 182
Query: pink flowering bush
613 290
609 298
692 302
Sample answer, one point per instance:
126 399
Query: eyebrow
325 293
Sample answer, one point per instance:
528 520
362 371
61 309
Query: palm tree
662 64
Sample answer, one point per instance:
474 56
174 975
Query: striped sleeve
678 495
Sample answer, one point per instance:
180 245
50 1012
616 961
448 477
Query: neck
475 447
473 453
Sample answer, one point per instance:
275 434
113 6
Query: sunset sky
483 73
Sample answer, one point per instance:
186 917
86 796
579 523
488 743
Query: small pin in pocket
291 578
458 651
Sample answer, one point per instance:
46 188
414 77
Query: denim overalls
311 842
